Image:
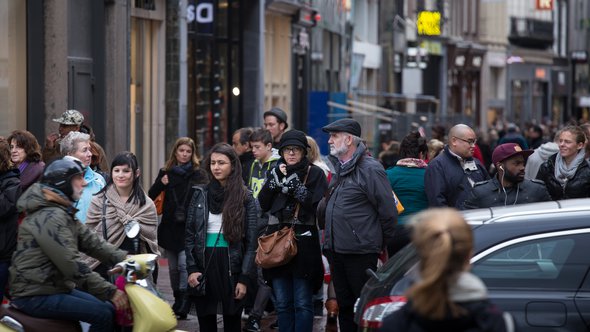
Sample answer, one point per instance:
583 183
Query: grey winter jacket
535 160
241 254
489 193
360 214
47 257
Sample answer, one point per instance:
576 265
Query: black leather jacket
241 254
576 187
489 193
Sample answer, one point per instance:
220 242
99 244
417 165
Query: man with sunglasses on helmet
47 277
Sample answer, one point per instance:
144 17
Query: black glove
274 182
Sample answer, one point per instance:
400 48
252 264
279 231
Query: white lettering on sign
202 13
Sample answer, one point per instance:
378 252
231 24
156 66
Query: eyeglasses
471 142
292 149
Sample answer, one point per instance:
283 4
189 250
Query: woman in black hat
290 195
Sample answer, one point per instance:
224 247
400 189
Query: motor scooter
150 312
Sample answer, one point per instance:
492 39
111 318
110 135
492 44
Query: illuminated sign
428 23
544 4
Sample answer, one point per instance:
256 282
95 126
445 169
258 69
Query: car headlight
379 308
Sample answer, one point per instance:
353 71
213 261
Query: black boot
184 306
177 301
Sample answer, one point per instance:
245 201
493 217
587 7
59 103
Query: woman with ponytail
447 297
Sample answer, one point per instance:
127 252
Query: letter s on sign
202 13
190 13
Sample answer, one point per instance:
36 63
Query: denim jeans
76 305
294 304
177 269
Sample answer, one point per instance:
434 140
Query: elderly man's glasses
468 141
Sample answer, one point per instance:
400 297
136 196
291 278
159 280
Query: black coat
481 316
307 264
10 191
241 254
576 187
489 193
170 232
447 183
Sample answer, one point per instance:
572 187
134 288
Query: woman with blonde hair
175 179
447 297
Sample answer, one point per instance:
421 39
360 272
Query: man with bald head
450 176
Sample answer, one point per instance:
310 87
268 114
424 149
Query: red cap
507 150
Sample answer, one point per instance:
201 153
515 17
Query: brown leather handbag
277 248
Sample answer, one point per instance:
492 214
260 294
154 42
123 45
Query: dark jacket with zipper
177 192
10 190
576 187
241 254
489 193
360 214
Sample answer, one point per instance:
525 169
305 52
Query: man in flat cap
508 187
450 176
70 120
275 121
359 213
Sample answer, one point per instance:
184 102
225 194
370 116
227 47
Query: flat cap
346 125
507 150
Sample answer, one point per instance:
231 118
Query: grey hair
355 140
69 144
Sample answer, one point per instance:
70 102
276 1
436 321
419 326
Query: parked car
534 259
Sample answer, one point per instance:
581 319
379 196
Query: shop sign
584 101
428 23
201 13
579 56
544 4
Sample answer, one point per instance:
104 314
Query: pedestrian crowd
76 217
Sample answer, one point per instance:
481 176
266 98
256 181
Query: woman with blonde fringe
447 297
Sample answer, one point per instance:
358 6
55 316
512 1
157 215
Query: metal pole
183 70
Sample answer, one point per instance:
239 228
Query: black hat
346 125
293 138
279 114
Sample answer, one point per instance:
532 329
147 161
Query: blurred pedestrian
389 157
359 214
508 187
450 176
315 157
241 144
446 297
535 136
10 190
275 121
290 195
77 144
407 181
435 147
586 128
98 161
25 154
566 173
175 179
221 240
70 120
513 135
538 157
122 213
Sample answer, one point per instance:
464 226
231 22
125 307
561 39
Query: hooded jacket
47 257
360 213
10 190
535 160
241 254
576 187
468 292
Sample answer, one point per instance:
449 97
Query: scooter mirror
132 229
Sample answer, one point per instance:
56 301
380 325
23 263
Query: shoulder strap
296 214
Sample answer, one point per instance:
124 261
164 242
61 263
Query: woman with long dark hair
122 213
221 240
290 195
25 154
175 179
